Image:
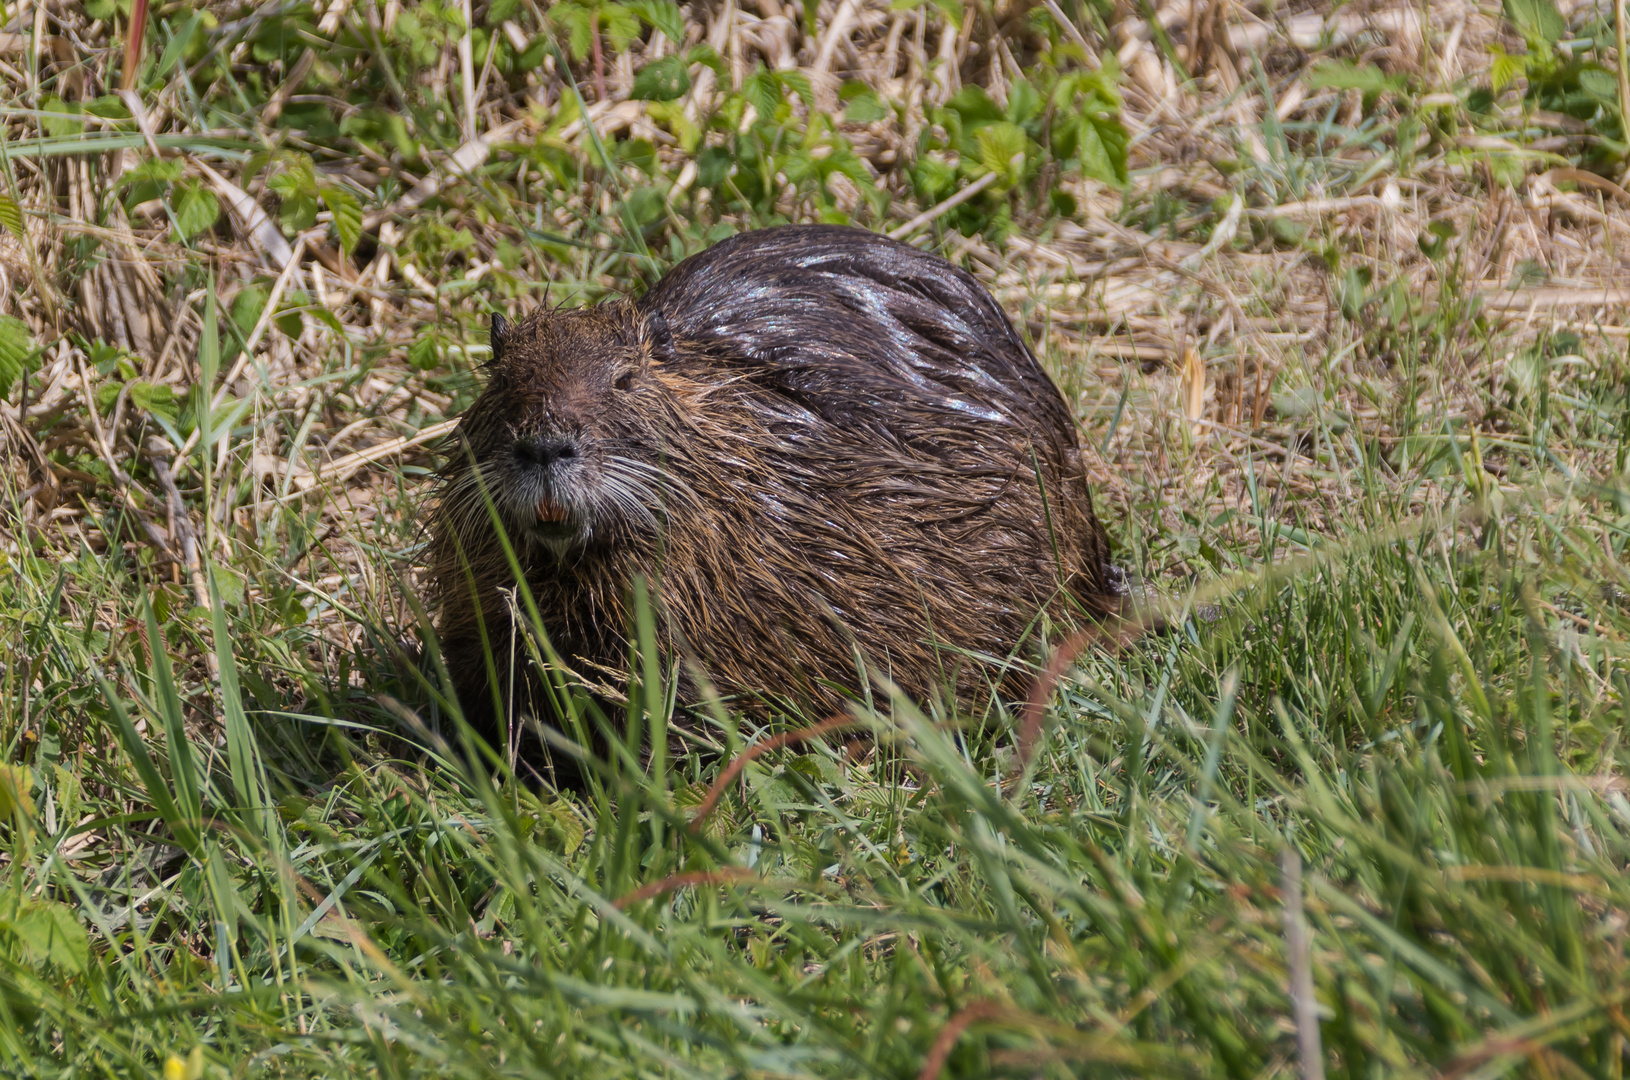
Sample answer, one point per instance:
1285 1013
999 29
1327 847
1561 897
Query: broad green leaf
798 83
157 399
1601 85
578 22
347 213
298 214
16 345
620 25
1505 68
762 92
61 118
663 15
1538 21
196 209
662 80
423 354
864 106
11 217
16 785
1002 147
1346 75
51 933
1101 145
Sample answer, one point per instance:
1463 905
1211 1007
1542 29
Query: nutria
824 448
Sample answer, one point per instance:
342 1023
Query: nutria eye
624 382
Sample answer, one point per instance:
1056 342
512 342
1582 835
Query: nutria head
565 433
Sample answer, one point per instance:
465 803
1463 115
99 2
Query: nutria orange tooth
551 511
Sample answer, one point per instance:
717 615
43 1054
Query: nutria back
830 453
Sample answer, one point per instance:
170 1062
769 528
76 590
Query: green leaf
1600 84
51 933
1101 145
663 15
347 213
177 48
196 209
499 10
621 26
1346 75
16 787
1538 21
158 399
298 214
577 21
798 83
662 80
762 92
865 107
953 12
11 217
422 354
101 10
16 346
1002 150
1505 68
60 119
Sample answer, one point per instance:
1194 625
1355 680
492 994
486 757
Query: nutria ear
499 332
658 336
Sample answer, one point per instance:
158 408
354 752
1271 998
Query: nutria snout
829 454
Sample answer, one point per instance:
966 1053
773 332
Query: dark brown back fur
811 439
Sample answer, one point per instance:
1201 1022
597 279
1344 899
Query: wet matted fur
818 444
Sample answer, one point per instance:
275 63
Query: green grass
1366 816
1428 711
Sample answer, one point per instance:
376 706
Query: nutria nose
545 451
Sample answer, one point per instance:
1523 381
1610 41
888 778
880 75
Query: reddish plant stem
945 1042
680 881
133 43
599 58
739 762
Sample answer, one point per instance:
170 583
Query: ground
1340 296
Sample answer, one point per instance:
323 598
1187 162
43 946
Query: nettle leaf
347 213
1369 79
423 354
159 399
798 83
195 208
663 15
11 217
662 80
298 214
1504 68
61 117
16 346
1002 150
1600 84
1101 145
51 933
1538 21
621 25
864 106
762 92
578 22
